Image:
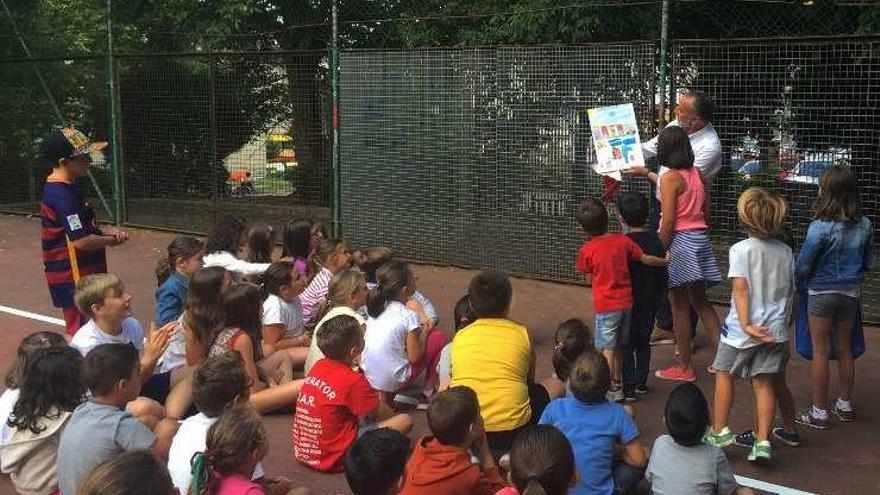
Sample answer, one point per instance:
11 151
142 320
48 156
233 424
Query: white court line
33 316
769 487
742 480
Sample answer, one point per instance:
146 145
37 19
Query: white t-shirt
278 311
315 353
90 336
707 153
236 266
768 266
384 358
189 439
7 402
175 356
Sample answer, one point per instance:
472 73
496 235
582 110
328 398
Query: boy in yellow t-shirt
493 356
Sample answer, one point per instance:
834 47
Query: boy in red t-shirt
604 261
336 403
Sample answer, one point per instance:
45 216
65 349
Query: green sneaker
761 452
722 438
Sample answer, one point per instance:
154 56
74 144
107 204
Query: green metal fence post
664 61
336 186
116 144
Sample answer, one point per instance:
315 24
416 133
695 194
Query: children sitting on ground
336 402
99 428
347 293
754 338
604 261
299 238
493 357
595 427
541 463
219 383
680 461
173 273
17 372
225 239
399 350
375 463
462 315
332 257
52 388
272 384
837 254
104 300
441 464
129 473
648 289
572 338
235 445
683 231
283 326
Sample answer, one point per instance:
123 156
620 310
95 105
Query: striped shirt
66 217
315 293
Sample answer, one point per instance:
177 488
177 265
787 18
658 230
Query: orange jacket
437 469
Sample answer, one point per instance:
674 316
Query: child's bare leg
820 328
786 403
845 363
180 397
765 406
401 422
274 398
724 394
608 354
616 369
681 326
743 490
298 356
164 432
706 311
181 373
145 410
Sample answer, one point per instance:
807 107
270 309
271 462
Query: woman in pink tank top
692 264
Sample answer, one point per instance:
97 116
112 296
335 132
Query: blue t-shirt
592 429
170 298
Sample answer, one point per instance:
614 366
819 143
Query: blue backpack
802 343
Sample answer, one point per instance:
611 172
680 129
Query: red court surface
841 460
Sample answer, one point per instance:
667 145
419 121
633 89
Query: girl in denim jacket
836 255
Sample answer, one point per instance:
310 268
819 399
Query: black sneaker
745 439
641 389
790 439
629 395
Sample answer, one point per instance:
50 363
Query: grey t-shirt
95 433
697 470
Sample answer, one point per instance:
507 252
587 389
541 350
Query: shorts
501 441
366 425
609 326
157 387
835 306
764 359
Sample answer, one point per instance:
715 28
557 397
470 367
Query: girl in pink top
235 444
692 264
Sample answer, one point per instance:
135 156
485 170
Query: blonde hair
341 287
93 289
762 212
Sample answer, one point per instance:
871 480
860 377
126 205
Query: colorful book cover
615 139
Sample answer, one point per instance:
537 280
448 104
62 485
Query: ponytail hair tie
532 477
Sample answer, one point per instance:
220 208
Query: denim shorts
609 325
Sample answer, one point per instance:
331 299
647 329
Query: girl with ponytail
173 273
541 463
235 444
398 348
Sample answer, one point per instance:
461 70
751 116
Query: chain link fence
478 157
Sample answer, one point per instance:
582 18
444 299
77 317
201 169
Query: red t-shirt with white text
606 259
328 411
